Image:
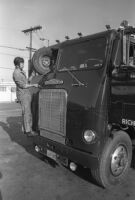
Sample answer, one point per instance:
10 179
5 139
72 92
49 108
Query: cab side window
116 57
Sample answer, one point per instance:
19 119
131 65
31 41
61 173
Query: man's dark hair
18 60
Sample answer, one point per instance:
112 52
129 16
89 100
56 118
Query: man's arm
31 76
21 83
28 85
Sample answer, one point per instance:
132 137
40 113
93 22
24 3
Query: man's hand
31 76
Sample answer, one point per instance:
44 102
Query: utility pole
30 31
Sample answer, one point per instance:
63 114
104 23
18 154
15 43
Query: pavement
26 175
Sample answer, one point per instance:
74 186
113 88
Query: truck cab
84 110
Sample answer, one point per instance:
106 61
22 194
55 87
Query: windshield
86 54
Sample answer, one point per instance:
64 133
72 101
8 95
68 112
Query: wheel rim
119 160
44 62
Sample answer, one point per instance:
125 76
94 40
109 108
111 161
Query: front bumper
83 158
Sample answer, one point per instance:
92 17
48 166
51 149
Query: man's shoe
31 134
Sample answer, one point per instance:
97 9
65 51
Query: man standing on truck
24 94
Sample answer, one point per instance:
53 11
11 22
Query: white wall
7 92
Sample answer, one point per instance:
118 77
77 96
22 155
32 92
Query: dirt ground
25 175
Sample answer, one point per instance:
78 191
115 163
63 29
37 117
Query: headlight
89 136
132 75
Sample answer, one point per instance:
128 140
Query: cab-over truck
85 111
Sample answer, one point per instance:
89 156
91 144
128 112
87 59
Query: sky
58 18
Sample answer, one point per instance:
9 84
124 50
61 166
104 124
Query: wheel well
130 130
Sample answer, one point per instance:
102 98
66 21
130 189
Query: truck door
123 81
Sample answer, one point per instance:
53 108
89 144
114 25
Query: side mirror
123 73
117 75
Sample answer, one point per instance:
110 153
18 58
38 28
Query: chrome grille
52 106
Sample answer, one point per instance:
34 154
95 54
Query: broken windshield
86 54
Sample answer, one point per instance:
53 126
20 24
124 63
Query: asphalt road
25 175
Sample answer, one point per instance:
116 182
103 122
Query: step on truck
84 109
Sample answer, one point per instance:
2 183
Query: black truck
84 110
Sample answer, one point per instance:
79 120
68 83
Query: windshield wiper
79 83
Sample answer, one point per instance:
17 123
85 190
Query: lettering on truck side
128 122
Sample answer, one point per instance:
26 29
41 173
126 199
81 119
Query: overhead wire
36 39
12 29
6 68
39 38
43 38
37 33
3 46
7 54
41 33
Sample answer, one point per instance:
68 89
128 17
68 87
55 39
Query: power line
6 68
7 54
41 33
36 40
7 28
39 38
3 46
32 49
37 34
43 39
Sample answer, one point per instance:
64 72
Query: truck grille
52 111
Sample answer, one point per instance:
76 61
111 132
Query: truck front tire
114 161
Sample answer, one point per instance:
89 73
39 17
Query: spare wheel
42 60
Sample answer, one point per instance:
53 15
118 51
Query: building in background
7 91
